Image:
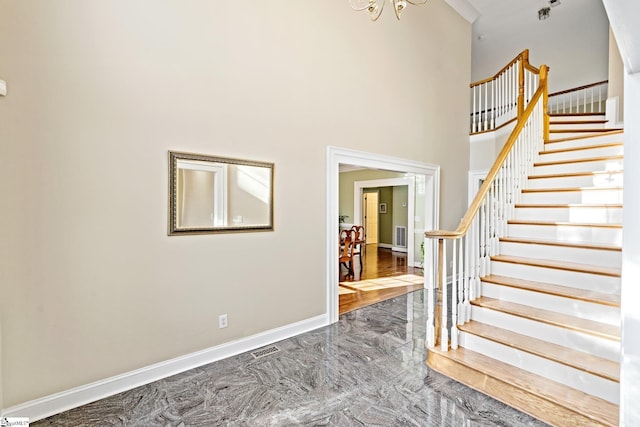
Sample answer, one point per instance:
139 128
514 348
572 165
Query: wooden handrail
575 89
467 219
524 55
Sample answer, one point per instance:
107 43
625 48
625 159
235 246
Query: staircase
544 335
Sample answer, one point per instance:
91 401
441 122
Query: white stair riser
558 135
572 234
571 214
572 197
594 282
597 180
562 233
576 118
582 309
591 166
581 154
581 142
601 258
598 346
558 372
583 125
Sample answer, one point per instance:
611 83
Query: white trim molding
73 398
612 114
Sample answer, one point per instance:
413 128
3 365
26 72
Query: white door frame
336 156
409 181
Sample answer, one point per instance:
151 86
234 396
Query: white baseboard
385 245
399 249
59 402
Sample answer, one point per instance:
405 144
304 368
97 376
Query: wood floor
385 274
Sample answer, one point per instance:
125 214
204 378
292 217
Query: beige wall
346 188
91 284
616 75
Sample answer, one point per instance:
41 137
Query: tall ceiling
573 41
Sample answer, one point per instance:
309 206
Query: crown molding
464 9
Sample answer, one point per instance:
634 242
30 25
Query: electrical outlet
222 321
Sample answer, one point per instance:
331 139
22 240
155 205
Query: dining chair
358 241
346 252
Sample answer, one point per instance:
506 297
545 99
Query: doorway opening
370 215
426 178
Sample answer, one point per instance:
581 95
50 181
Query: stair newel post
454 296
430 277
523 57
442 289
544 72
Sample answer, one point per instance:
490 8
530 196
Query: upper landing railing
501 99
590 98
476 238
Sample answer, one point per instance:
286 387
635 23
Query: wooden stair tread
568 205
594 135
575 114
612 300
577 122
575 174
559 265
591 327
524 384
568 189
561 223
584 160
585 147
581 245
586 362
582 130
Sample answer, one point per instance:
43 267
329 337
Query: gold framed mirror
209 194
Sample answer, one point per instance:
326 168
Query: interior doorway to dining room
424 177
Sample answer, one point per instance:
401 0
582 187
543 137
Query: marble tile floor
368 369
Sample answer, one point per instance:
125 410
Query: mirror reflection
215 194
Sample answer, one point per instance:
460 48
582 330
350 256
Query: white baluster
486 111
466 278
493 104
473 110
599 98
444 334
430 285
472 260
454 295
503 97
462 316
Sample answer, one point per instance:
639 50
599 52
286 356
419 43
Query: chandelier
375 6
